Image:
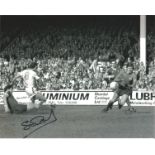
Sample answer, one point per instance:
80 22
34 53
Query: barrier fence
138 98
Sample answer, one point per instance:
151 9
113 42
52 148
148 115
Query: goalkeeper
10 103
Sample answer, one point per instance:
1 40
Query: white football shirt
29 76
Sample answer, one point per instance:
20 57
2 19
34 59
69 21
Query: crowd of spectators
76 58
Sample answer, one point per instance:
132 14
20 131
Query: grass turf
82 122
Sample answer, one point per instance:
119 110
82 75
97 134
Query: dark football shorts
123 90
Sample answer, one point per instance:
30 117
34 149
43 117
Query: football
113 85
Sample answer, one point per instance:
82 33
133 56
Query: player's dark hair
32 65
130 65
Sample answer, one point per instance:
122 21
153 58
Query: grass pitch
81 122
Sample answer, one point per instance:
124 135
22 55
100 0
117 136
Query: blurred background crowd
74 52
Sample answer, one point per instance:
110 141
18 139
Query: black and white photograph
77 76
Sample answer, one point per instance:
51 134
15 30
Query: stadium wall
138 98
